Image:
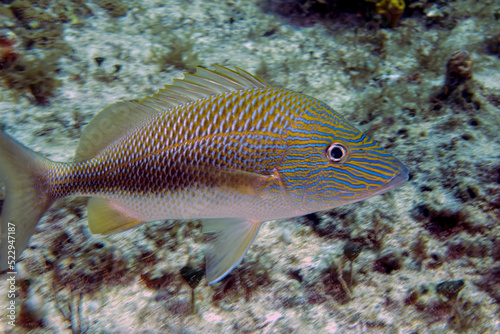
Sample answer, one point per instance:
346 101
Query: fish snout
400 178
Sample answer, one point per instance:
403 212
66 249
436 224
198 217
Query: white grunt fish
220 145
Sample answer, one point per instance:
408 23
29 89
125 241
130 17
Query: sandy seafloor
442 225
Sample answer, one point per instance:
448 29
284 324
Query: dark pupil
336 153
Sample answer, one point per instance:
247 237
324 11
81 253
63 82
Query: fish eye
336 152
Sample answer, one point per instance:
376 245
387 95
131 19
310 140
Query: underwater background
420 77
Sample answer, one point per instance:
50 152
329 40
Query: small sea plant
8 53
458 71
351 252
193 277
180 54
390 11
71 309
450 290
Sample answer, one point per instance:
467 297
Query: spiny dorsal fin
110 124
202 84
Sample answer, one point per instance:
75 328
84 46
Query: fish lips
397 180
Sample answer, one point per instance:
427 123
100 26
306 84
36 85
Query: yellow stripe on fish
220 145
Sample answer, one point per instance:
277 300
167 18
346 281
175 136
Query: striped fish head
328 162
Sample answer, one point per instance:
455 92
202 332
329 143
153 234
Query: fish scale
240 148
220 145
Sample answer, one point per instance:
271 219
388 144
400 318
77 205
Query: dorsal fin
113 121
110 124
202 84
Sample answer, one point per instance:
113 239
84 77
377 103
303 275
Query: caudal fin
23 174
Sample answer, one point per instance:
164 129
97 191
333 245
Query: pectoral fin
232 239
105 217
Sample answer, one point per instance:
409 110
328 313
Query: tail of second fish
24 176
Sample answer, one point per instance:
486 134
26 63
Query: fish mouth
396 181
352 197
400 178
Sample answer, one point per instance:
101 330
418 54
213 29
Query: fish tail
26 197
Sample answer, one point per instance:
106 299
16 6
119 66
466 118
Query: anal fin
105 217
232 239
